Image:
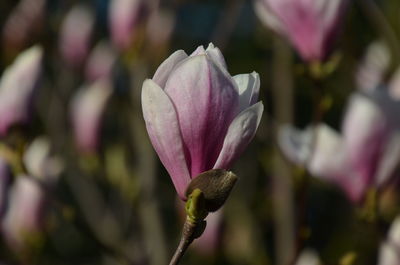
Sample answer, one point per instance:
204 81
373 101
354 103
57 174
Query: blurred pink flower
310 25
24 20
16 88
198 117
75 35
160 27
125 15
24 217
364 156
373 67
100 62
86 112
389 253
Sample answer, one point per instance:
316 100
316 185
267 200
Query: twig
190 232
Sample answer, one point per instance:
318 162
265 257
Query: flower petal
328 157
295 144
163 128
240 133
389 160
206 101
199 51
249 88
165 69
267 16
216 55
17 85
364 131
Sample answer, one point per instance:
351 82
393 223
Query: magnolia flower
373 67
125 16
16 88
40 163
310 25
160 27
389 253
23 22
75 36
100 62
364 156
86 111
198 117
24 217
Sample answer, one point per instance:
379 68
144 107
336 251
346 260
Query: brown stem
188 235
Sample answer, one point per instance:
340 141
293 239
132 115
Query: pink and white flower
364 156
310 25
197 115
16 88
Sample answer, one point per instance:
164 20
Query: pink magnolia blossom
310 25
24 217
389 252
24 21
16 88
197 115
86 111
364 156
76 30
373 67
125 16
100 62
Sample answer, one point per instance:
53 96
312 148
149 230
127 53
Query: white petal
389 160
239 135
216 55
163 128
249 88
165 69
295 144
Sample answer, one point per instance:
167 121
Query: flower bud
216 185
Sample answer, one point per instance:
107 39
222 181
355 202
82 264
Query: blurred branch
282 90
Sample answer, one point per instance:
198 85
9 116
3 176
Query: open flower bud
197 115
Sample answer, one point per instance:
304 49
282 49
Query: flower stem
190 232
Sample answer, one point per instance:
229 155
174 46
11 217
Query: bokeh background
105 198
